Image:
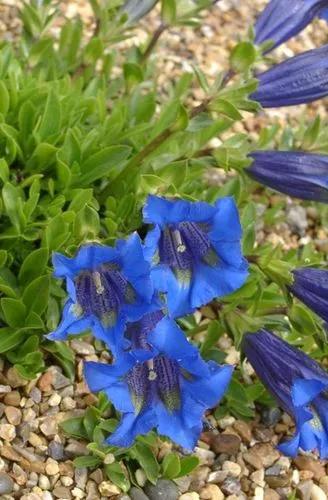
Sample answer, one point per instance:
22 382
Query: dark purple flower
311 287
298 174
298 80
298 383
277 23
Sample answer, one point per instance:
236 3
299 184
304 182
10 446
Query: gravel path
238 459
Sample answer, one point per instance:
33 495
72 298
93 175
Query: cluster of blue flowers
129 297
297 80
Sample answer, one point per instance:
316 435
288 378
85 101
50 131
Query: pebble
217 476
226 422
5 389
6 484
81 477
19 475
232 468
205 456
35 395
56 450
270 494
78 493
60 381
35 440
306 463
68 403
54 400
82 347
261 455
231 486
52 467
243 430
13 415
49 426
137 494
14 379
191 495
317 493
75 449
62 493
211 492
304 489
271 416
108 489
297 220
223 443
66 481
44 482
163 490
7 432
258 477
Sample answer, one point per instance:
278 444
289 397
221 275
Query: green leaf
243 56
14 311
88 461
214 332
14 206
43 157
51 119
169 11
90 420
10 338
36 294
147 460
103 163
4 98
115 473
187 465
34 265
74 427
171 466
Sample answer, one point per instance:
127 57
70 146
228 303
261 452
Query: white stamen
152 375
178 241
97 281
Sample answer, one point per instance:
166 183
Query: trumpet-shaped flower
278 24
311 287
298 174
167 387
298 383
106 288
195 251
298 80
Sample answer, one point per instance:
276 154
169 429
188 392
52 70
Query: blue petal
132 426
208 391
290 447
226 224
172 425
70 324
162 211
323 14
177 299
229 252
211 282
170 340
151 243
88 257
304 391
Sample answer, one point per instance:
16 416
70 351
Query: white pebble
317 493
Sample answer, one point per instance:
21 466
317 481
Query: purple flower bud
298 80
311 287
298 383
298 174
278 24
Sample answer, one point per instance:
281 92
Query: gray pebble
60 381
137 494
271 416
56 450
297 220
6 484
163 490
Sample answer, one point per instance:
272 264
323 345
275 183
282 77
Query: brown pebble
243 430
14 415
12 399
223 443
270 494
303 490
45 381
307 463
62 493
278 481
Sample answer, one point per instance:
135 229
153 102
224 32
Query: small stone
92 491
45 381
15 379
75 449
232 468
78 493
44 482
324 484
13 415
263 453
183 483
211 492
271 495
66 481
271 416
223 443
191 495
243 430
82 347
217 477
231 486
258 493
108 489
49 426
258 477
7 432
205 456
304 490
56 450
62 493
52 467
68 403
317 493
97 476
163 489
226 422
304 462
6 484
253 460
277 481
35 440
4 389
137 494
46 495
297 220
60 381
263 434
35 395
19 475
81 477
54 400
141 477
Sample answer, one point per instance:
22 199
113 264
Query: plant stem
153 41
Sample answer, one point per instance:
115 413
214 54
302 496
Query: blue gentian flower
311 287
278 24
169 391
107 287
195 250
298 383
298 80
298 174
